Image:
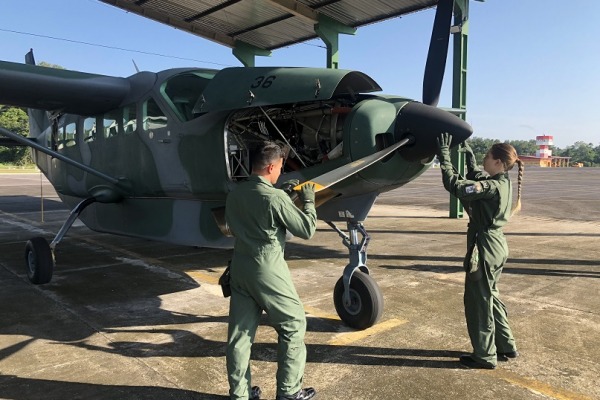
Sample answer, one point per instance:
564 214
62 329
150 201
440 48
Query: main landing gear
356 296
39 255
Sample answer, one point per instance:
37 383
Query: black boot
468 361
302 394
505 356
255 393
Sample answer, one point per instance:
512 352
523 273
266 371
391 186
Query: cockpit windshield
183 91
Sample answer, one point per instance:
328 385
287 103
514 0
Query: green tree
581 152
597 155
48 65
480 147
524 147
15 119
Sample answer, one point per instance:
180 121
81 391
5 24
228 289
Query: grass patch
18 169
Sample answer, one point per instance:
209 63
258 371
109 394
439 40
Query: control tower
544 142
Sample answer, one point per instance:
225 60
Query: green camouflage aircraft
155 155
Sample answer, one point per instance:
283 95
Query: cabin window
60 137
182 92
129 119
154 117
111 123
89 129
70 131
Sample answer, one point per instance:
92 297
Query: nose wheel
357 297
365 301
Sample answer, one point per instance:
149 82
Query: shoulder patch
475 188
485 184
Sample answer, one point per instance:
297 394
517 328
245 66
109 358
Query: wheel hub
355 305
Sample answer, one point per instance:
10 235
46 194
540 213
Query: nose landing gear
356 296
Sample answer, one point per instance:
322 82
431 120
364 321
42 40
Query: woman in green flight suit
487 199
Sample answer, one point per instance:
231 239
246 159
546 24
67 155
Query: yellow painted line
320 313
204 277
350 337
536 386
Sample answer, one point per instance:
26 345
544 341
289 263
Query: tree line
580 152
15 119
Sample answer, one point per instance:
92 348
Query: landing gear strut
356 296
39 255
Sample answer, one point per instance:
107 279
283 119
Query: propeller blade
438 52
339 174
322 183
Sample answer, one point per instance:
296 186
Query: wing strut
30 143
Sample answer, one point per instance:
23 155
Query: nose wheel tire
39 260
366 301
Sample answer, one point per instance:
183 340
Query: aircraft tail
38 119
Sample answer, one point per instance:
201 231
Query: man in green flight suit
487 197
259 216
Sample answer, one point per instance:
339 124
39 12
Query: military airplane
154 155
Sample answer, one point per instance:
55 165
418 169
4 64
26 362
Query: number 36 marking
264 82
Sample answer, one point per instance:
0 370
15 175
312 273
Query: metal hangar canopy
258 26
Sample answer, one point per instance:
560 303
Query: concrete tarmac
126 318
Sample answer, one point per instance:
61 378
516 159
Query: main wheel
40 263
366 301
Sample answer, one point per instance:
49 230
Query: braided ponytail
508 155
517 207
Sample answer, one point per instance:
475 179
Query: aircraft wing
53 89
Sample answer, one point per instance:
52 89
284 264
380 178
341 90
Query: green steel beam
459 86
246 53
328 30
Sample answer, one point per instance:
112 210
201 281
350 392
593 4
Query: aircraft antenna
135 65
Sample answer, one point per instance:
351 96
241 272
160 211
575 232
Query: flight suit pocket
471 263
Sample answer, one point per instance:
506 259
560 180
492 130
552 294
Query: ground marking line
345 338
320 313
536 386
203 277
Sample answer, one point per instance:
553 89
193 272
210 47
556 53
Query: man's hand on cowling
307 193
288 186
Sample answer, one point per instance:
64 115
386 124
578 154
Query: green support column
246 53
329 30
459 86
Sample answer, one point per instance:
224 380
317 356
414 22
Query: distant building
543 156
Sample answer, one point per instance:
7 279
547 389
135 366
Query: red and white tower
544 142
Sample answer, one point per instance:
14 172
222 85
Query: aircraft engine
317 132
310 133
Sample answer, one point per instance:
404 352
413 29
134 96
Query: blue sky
533 67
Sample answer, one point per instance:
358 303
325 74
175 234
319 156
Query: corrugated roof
266 24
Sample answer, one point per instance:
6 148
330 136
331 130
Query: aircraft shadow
19 388
188 344
443 232
406 232
445 269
